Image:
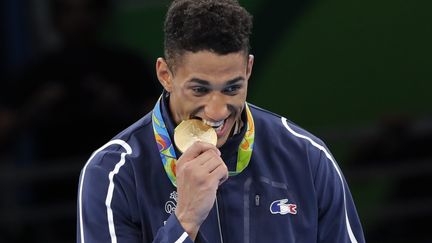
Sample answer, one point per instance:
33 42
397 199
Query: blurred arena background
356 73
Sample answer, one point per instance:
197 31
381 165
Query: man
265 180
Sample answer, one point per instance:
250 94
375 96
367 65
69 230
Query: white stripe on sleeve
182 238
110 187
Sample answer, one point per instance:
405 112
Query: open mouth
216 125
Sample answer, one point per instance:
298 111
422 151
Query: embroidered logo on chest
171 205
283 207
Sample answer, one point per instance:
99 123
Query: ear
164 74
249 66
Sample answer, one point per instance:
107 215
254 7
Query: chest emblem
283 207
171 205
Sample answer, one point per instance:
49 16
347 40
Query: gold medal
190 131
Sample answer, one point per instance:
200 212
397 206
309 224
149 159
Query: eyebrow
207 83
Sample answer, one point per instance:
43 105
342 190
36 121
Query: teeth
219 128
217 125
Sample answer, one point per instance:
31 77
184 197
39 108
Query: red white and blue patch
283 207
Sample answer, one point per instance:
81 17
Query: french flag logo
283 207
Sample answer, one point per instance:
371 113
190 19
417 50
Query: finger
220 173
206 156
196 149
211 164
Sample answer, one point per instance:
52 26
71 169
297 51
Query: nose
217 108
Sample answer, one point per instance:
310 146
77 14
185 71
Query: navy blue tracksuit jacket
291 191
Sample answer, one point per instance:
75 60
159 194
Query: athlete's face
207 86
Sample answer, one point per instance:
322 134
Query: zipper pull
257 200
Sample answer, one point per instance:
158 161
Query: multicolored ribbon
167 151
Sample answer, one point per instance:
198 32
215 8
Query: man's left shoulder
265 118
278 126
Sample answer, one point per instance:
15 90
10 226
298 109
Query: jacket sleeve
107 206
337 217
172 231
104 210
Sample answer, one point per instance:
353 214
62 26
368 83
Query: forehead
210 66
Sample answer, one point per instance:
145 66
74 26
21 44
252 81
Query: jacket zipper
257 200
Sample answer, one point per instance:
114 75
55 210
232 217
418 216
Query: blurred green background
323 64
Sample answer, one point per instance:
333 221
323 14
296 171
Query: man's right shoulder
142 125
128 143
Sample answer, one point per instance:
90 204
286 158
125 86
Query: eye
199 90
231 90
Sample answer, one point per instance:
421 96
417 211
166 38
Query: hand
200 171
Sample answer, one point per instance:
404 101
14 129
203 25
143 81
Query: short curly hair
219 26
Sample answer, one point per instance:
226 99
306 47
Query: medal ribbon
167 151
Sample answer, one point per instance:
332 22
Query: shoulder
281 131
142 125
123 148
287 141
